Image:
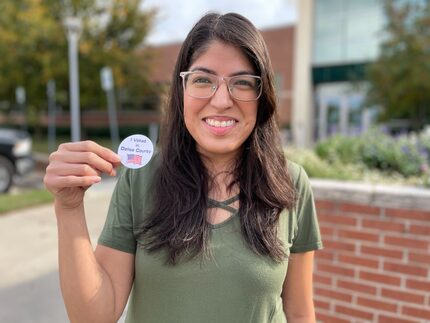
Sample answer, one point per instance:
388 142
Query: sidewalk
29 286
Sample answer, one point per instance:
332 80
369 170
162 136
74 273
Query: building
335 41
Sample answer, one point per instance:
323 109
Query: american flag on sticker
134 159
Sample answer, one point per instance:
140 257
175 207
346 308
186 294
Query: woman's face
220 124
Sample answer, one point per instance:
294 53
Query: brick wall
375 265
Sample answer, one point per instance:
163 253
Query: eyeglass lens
204 85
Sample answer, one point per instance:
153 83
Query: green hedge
372 157
407 155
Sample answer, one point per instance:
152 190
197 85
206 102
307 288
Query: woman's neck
221 174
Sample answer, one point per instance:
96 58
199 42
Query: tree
33 48
30 47
400 77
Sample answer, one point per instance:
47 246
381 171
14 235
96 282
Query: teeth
219 124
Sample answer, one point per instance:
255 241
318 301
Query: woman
204 232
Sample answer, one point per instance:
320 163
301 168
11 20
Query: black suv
15 156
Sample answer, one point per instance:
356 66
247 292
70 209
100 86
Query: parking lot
29 285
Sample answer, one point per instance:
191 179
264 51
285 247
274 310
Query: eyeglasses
202 85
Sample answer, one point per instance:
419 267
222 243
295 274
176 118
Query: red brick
423 285
391 319
324 318
362 209
380 305
420 229
319 304
358 287
384 252
338 245
423 258
325 254
326 230
359 261
325 205
324 280
335 269
354 312
406 242
332 294
408 214
403 296
384 225
416 312
339 219
380 278
405 269
358 235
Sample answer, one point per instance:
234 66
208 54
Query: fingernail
96 179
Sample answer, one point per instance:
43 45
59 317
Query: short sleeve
118 231
307 235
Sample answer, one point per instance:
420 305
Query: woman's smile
220 125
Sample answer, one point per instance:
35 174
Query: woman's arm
95 285
297 291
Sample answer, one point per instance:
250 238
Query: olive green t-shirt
236 286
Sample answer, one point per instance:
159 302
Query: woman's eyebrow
207 70
243 73
203 69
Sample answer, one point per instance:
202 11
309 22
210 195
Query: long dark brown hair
178 219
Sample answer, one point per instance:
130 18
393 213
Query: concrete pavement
29 286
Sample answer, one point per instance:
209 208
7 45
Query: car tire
6 174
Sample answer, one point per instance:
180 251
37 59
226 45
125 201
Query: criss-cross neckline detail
225 205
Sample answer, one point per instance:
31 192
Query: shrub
316 167
339 148
407 155
319 168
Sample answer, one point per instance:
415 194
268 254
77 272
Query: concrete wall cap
372 194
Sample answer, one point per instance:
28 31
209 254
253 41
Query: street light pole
73 27
108 86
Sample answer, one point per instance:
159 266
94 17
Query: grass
41 145
12 202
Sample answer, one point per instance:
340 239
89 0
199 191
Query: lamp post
20 99
52 107
73 28
108 86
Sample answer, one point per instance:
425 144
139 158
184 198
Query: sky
176 17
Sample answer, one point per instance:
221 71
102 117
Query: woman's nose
222 97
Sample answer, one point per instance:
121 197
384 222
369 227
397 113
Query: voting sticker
135 151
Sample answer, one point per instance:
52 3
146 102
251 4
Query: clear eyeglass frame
215 86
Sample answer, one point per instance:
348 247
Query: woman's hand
74 167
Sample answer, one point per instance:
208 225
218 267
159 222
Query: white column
303 116
322 120
344 114
366 120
